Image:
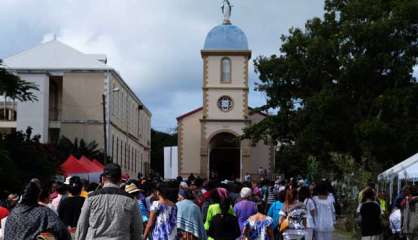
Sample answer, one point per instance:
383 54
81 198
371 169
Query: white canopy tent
405 170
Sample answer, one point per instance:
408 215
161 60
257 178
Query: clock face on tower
225 103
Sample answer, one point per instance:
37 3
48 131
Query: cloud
155 45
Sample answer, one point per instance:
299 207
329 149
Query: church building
208 137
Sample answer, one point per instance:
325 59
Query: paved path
341 236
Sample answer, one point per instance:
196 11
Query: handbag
284 225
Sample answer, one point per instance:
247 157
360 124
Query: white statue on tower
226 10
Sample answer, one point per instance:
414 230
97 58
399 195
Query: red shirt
3 212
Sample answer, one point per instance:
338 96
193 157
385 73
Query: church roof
55 55
226 37
189 113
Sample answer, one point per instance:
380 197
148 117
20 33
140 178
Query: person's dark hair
304 193
368 194
398 203
75 179
31 194
322 188
225 205
210 185
113 172
371 185
163 190
198 182
61 188
215 196
44 195
134 181
75 188
281 196
92 187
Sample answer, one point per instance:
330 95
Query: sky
154 44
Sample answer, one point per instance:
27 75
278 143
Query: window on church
226 70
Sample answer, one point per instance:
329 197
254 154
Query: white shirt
310 206
325 214
3 224
395 221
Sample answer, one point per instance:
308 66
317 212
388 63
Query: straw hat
131 188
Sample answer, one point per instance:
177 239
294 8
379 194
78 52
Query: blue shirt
274 213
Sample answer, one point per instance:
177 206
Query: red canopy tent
73 166
83 168
98 164
90 164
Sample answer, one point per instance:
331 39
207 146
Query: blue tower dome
226 37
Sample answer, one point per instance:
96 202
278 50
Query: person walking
224 225
325 213
62 191
395 221
137 194
293 216
189 218
258 227
311 211
70 207
28 219
244 208
370 213
218 195
274 213
163 216
109 213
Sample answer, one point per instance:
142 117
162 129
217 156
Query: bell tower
225 99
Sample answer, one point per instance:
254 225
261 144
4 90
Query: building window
113 146
126 154
122 150
132 159
113 99
117 150
142 164
226 70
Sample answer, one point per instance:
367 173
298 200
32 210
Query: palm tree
11 86
79 148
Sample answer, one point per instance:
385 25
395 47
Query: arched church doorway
224 156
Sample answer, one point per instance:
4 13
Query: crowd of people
189 209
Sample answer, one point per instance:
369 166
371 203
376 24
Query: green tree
159 140
344 84
26 158
11 86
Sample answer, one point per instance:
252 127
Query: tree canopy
24 159
159 140
344 84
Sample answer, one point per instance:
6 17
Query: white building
71 85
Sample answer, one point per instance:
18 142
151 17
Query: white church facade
209 143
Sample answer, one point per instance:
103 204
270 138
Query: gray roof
226 37
54 55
